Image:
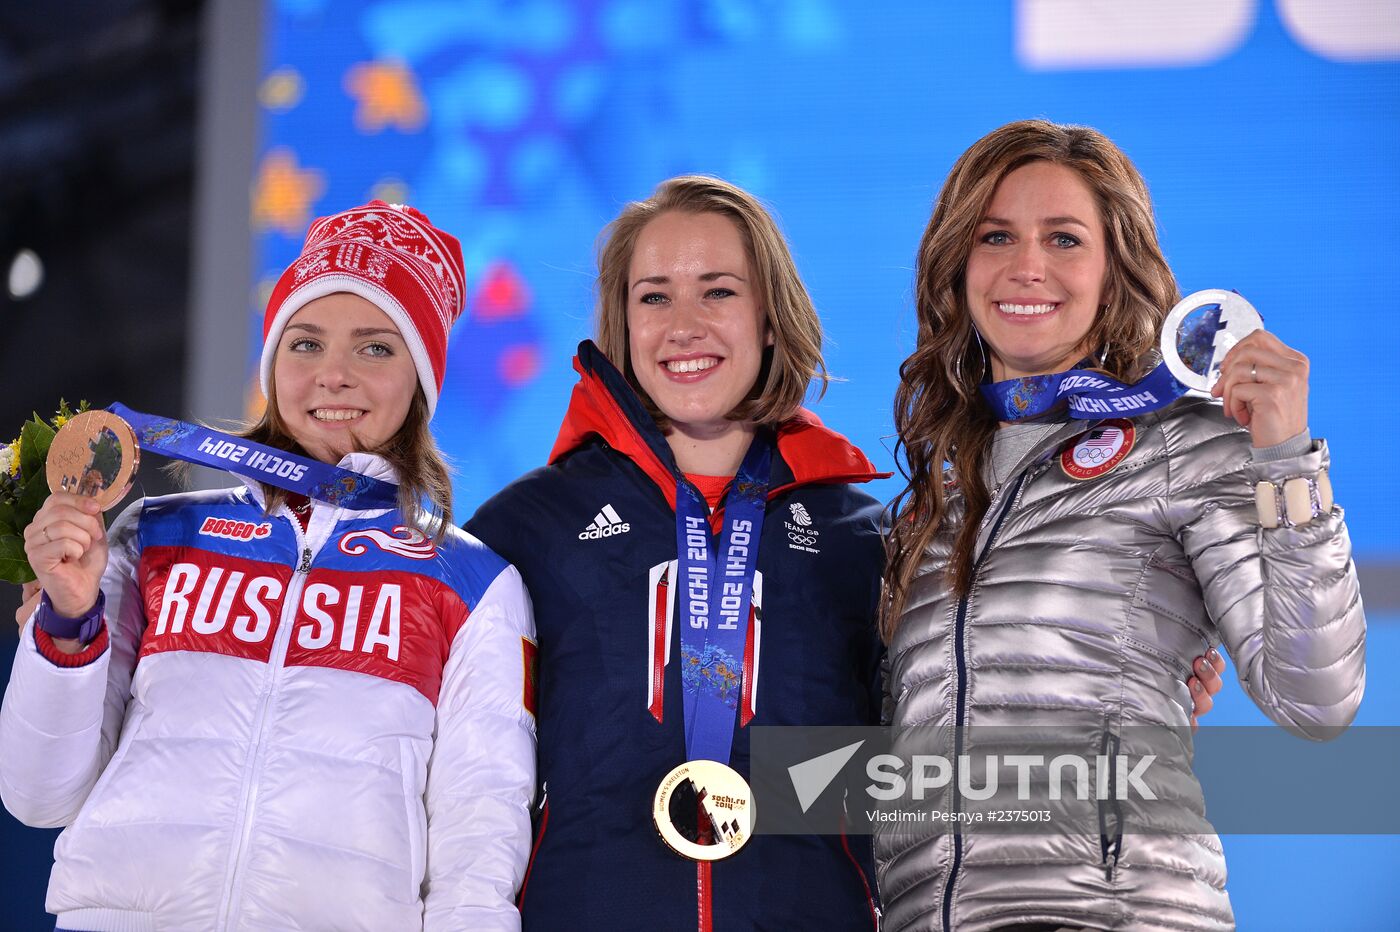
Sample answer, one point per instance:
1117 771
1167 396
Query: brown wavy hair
422 470
793 361
940 416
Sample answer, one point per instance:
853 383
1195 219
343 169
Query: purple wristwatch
83 629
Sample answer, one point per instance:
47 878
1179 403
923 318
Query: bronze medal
711 789
93 454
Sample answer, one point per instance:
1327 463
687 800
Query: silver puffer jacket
1091 597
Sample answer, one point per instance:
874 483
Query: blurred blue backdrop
1269 133
1268 130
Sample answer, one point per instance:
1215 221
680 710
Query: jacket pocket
1109 808
864 881
417 819
534 851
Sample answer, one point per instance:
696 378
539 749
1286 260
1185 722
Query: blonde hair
412 451
794 359
940 416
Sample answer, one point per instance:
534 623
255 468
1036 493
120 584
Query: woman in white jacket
253 710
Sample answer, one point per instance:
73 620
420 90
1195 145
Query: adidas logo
605 524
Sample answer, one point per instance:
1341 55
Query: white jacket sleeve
60 725
481 778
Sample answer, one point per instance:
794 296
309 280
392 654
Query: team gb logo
800 533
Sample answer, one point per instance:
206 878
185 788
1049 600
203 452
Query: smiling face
1035 276
696 331
343 377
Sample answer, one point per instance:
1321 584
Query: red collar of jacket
603 405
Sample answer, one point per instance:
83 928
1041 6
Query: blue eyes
308 345
657 297
1059 240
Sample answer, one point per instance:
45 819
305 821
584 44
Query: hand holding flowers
24 488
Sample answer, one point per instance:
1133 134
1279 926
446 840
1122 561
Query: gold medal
93 454
711 789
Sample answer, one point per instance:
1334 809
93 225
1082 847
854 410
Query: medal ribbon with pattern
715 589
194 443
1091 394
1196 335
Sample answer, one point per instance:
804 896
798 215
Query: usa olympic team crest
1099 450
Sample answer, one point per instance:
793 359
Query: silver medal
1200 330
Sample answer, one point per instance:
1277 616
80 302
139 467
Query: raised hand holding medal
90 466
1264 385
1214 342
86 468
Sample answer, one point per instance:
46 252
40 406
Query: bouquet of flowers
24 486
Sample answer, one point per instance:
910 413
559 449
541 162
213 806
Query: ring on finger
1253 372
47 536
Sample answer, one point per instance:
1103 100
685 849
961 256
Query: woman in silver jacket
1060 574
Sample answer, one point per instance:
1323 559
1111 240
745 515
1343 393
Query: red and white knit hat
393 257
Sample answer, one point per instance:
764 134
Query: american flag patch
1102 437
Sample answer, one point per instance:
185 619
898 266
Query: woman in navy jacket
707 340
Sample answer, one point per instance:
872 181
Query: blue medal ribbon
1197 332
715 592
1091 395
193 443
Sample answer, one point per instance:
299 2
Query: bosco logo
234 530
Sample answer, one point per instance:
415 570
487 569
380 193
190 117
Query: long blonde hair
794 359
940 416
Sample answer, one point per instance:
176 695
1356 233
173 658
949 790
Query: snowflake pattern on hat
390 255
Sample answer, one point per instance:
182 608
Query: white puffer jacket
288 731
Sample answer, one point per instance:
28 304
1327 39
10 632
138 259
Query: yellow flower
59 421
12 464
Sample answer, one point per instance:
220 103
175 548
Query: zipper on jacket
703 897
1110 837
960 707
291 602
860 873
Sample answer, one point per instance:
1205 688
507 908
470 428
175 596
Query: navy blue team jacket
592 533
